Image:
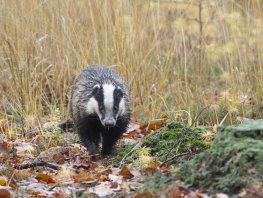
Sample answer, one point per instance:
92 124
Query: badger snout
108 123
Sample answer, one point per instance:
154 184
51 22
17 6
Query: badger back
84 84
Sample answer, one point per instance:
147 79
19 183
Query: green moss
234 160
119 153
174 139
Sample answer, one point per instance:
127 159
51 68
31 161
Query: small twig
172 158
179 141
52 187
133 149
34 164
49 165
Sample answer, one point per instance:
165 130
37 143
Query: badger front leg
109 138
88 138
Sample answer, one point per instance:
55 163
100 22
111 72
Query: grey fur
81 92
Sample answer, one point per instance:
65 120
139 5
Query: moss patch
174 139
234 160
163 144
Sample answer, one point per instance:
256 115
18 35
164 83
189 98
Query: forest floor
160 159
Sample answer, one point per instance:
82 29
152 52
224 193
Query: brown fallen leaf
83 176
131 134
58 195
146 128
5 193
126 173
252 191
59 158
143 195
103 178
22 174
177 189
42 177
4 147
51 152
114 185
133 127
33 192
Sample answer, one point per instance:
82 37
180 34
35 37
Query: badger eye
115 108
101 109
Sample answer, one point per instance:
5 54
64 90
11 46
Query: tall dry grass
197 61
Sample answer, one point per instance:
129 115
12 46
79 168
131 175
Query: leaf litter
66 169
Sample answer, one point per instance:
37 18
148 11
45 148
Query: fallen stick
34 164
52 166
172 158
133 149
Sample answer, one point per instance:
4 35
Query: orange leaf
146 128
154 164
143 195
83 176
33 192
58 195
45 178
131 134
59 158
4 147
126 173
5 193
103 178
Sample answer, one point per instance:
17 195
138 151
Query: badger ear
95 89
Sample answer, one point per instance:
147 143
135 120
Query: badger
100 107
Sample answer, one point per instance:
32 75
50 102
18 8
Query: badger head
107 102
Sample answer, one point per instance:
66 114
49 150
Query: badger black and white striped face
108 103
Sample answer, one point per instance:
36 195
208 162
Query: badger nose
109 123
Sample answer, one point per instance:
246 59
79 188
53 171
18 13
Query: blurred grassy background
199 62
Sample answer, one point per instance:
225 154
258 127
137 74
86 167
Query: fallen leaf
22 174
33 192
221 195
252 191
5 193
4 147
154 125
42 177
64 174
143 195
177 189
131 134
58 195
126 173
52 151
102 190
3 181
114 185
83 176
103 178
59 158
